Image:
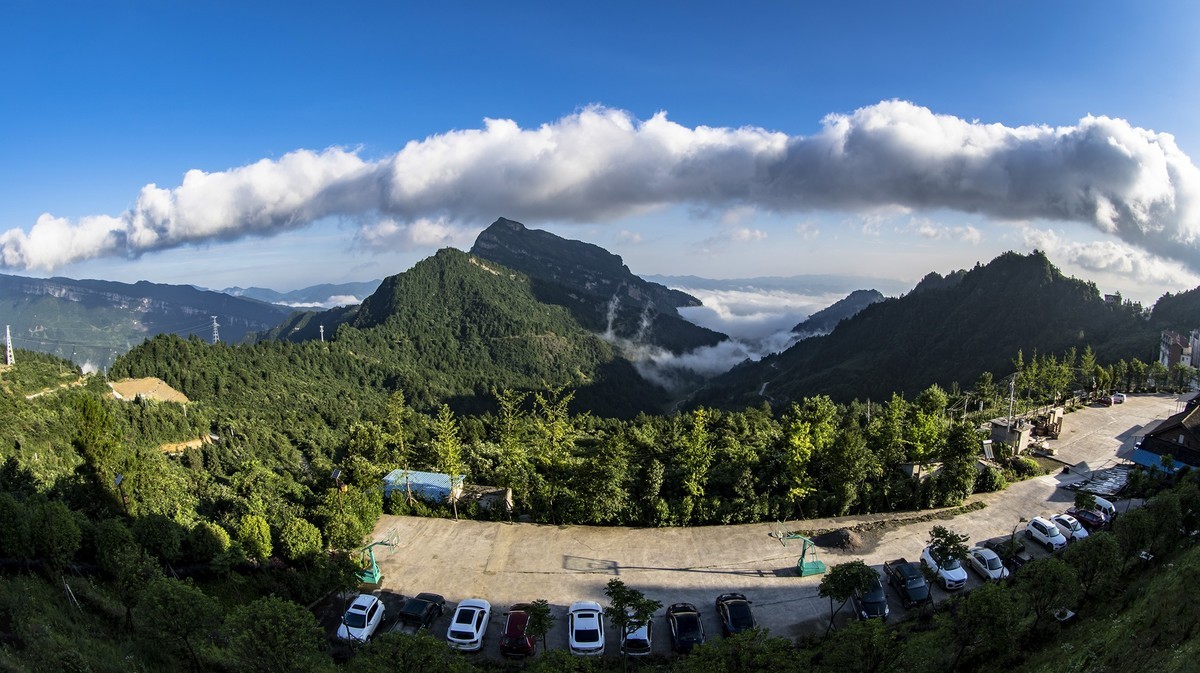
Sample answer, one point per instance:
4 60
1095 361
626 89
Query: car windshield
994 563
1052 531
915 582
355 619
459 634
587 635
951 564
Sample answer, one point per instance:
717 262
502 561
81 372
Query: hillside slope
948 329
451 329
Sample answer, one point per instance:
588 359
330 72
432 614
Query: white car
1070 527
1046 533
361 619
469 624
949 572
640 642
585 628
987 564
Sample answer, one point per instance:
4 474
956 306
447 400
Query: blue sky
102 99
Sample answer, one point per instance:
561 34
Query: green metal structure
808 563
370 573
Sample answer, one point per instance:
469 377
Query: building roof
1178 437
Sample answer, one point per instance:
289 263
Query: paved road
510 563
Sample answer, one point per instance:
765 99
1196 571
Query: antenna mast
216 335
9 358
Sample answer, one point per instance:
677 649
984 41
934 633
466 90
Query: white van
1109 509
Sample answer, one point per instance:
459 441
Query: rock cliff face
579 266
595 285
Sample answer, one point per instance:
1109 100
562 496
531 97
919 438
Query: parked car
419 612
987 564
469 625
361 619
1107 508
687 630
948 571
1070 527
908 581
872 603
585 628
640 642
736 616
1092 519
1011 550
515 641
1045 533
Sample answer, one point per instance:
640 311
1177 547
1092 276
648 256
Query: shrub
990 480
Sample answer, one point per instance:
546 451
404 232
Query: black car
419 612
871 603
1011 550
735 614
1090 518
687 631
908 581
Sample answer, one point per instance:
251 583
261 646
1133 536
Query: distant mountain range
325 295
94 321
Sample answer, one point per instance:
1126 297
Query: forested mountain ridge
451 329
823 321
947 330
595 285
93 321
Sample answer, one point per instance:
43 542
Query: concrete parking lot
508 563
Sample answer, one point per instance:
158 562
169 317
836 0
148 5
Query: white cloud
1112 257
626 236
601 164
927 228
392 234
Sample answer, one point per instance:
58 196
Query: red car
516 642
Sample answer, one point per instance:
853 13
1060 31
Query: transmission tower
9 358
216 334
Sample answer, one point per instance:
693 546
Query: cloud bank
601 164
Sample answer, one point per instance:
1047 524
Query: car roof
476 603
363 601
581 606
682 607
723 598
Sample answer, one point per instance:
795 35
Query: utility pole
1012 396
9 358
216 335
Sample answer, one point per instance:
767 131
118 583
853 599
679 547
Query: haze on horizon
312 148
